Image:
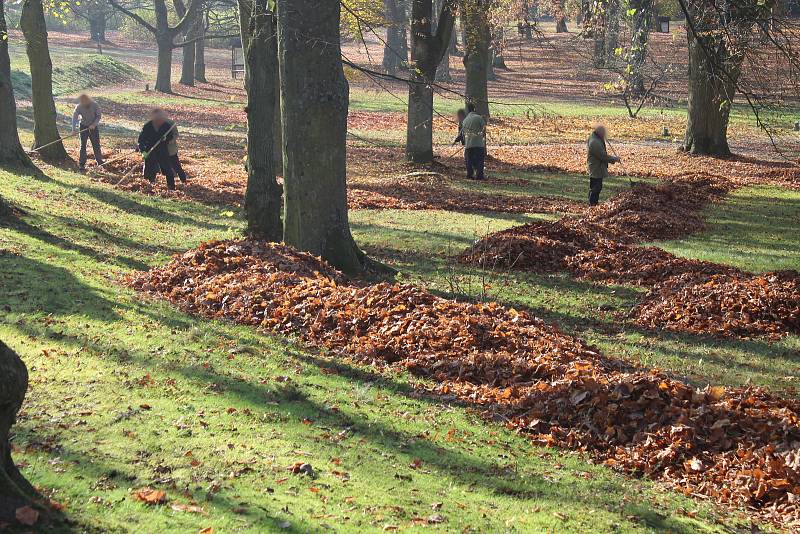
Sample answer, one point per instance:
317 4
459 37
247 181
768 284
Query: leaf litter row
686 295
739 446
217 182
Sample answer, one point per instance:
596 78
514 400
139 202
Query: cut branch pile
737 446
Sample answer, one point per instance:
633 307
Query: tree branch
134 16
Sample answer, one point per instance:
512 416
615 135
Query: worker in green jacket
598 159
474 131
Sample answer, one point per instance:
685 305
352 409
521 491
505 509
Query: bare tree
263 195
477 57
427 50
11 151
314 107
45 127
164 35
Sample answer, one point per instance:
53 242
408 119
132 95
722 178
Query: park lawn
754 229
127 392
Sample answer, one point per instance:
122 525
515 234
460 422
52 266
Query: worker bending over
474 132
87 117
598 160
153 144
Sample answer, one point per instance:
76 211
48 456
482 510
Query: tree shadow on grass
468 471
126 203
31 286
36 232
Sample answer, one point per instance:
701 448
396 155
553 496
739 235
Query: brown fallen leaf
150 496
26 515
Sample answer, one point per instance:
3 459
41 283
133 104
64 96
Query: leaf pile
402 193
618 263
731 303
740 446
645 212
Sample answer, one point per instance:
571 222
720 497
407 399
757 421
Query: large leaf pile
731 303
740 447
645 212
687 295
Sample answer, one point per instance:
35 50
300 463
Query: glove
145 153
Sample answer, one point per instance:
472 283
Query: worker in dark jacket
598 160
153 142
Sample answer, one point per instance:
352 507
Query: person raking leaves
153 144
474 131
86 119
598 159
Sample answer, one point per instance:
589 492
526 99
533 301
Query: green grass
94 71
122 388
753 229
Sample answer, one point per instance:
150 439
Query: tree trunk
612 32
560 16
710 99
443 70
164 72
419 130
314 106
640 38
15 491
427 51
45 127
477 56
395 50
200 50
188 51
96 11
11 151
245 8
263 196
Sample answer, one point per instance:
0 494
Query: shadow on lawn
466 470
128 204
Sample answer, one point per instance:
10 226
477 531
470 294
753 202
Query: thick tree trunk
263 196
427 51
314 106
477 57
640 38
710 100
11 151
419 131
395 49
45 127
15 491
164 72
200 50
188 51
560 16
97 22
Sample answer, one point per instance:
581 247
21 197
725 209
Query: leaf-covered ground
129 394
132 398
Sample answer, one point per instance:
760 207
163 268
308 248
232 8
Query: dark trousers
595 186
475 158
175 163
94 137
158 160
